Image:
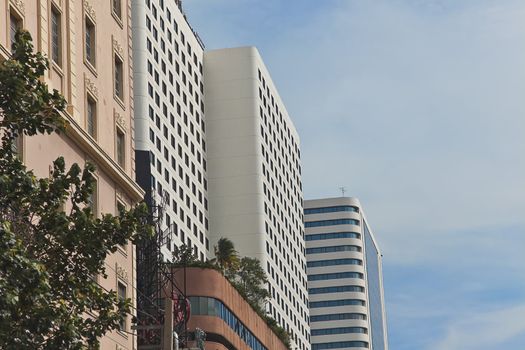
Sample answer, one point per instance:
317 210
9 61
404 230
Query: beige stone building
88 44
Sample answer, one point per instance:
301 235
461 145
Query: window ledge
120 102
91 67
118 19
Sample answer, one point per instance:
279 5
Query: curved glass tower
345 283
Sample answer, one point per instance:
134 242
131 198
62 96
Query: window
336 289
333 249
332 235
93 200
90 48
56 36
121 291
14 24
339 330
336 275
337 317
18 146
334 262
121 147
214 307
91 117
331 209
116 8
333 303
339 345
332 222
119 83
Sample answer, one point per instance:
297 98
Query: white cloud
487 330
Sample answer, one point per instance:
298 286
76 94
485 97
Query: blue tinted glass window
214 307
331 209
333 262
336 289
374 290
333 249
340 345
339 330
335 275
331 222
338 317
332 235
332 303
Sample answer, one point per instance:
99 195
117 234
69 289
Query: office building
170 126
345 282
254 173
88 46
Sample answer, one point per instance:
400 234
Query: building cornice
104 162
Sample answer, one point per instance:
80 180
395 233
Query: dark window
117 8
91 118
121 148
14 24
119 78
121 291
56 36
90 42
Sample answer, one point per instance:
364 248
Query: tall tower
255 190
88 46
345 281
169 120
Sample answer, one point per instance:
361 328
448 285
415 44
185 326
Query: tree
48 257
251 280
226 257
184 256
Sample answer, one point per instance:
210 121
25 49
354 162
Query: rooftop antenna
343 190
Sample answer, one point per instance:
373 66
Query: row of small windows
335 275
281 169
339 330
333 249
340 345
338 317
331 222
56 53
331 209
334 262
278 158
213 307
332 235
336 289
334 303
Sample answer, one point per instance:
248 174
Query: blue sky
418 108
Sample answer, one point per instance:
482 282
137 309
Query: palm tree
226 257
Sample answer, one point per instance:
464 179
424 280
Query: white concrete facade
344 277
169 119
255 190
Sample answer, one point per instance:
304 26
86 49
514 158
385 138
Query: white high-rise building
170 133
345 282
254 171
